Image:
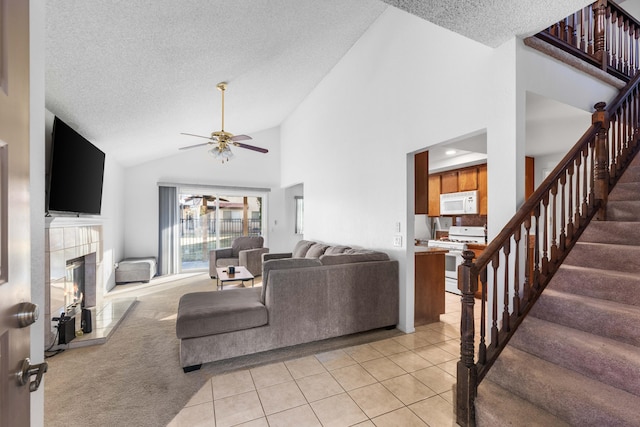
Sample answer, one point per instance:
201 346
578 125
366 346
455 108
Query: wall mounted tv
77 169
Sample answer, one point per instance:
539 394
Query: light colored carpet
135 379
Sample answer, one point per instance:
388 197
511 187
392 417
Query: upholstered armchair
245 250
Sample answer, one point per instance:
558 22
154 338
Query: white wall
112 218
349 140
406 85
197 167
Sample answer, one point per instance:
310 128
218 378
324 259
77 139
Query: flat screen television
76 174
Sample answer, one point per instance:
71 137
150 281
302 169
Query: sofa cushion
284 264
347 258
316 250
332 250
246 242
301 248
209 313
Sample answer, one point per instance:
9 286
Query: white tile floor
401 381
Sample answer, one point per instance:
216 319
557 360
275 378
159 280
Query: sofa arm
267 256
252 259
215 255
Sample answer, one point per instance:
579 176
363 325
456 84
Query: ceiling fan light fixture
223 154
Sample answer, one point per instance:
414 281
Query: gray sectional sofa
321 292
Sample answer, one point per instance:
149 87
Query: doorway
211 220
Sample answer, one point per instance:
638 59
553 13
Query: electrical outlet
397 241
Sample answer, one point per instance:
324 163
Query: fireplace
73 272
74 284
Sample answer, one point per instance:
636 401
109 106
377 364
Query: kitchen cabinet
449 182
421 162
429 301
468 179
482 189
434 195
465 179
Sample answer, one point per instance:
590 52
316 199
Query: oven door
452 260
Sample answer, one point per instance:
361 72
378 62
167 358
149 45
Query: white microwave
461 203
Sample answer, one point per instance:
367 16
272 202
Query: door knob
28 370
26 314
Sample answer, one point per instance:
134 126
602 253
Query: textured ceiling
131 75
491 22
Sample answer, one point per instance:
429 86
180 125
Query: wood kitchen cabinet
482 189
468 179
421 161
429 301
449 182
434 195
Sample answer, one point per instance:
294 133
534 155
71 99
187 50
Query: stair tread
623 210
597 357
605 256
571 396
613 232
507 409
609 285
601 317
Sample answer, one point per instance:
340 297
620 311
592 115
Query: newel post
601 161
599 32
467 381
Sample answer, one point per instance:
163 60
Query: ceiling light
450 152
222 154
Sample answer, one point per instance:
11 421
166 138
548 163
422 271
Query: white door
16 313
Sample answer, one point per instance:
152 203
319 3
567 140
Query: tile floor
401 381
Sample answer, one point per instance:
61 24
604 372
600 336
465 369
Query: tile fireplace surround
66 239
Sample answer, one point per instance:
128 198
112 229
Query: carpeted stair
575 360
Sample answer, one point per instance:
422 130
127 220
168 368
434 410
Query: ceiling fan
222 140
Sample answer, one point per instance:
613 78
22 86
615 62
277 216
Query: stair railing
602 34
517 265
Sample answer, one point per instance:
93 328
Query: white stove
457 242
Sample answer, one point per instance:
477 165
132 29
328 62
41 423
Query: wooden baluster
576 220
599 11
482 348
554 224
585 182
495 262
563 217
505 312
589 13
582 42
516 272
467 373
613 147
536 251
545 236
526 291
625 38
570 204
592 176
601 169
563 30
619 61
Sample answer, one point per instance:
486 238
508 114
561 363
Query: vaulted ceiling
131 75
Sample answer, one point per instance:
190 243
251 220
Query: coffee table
241 274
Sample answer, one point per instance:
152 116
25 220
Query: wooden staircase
575 360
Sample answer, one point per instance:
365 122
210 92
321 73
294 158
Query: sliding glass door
211 220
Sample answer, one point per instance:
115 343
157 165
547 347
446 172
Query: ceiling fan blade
250 147
199 136
241 138
194 146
